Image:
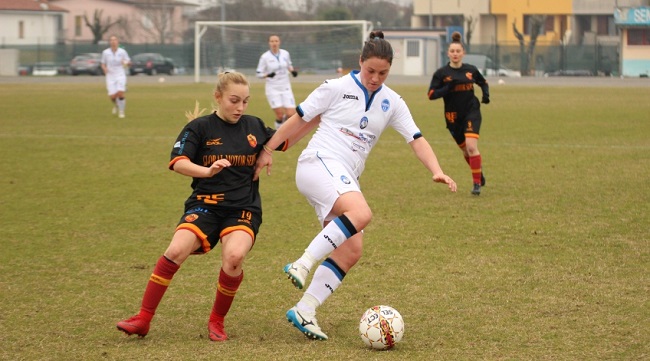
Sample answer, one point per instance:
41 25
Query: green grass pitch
551 262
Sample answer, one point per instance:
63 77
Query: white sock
327 279
121 104
328 239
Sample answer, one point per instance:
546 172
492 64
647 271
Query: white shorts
322 179
115 84
281 99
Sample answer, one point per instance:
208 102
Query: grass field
551 262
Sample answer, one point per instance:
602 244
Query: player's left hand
485 100
443 178
264 159
294 73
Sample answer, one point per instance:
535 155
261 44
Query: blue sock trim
345 225
329 263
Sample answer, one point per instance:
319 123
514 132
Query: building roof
29 5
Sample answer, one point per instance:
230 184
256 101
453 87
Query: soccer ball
381 327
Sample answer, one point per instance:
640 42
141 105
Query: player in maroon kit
219 152
454 82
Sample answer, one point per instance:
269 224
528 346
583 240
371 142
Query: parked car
486 66
88 63
45 68
151 64
578 72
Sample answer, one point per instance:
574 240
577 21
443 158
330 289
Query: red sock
475 166
226 290
158 283
466 158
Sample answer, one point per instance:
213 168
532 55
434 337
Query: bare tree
157 20
536 24
100 26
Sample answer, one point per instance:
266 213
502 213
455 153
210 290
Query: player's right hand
270 75
218 166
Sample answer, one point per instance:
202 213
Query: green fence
552 59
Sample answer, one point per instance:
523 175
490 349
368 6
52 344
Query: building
634 22
568 34
31 23
135 21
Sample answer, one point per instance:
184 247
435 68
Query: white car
487 67
45 69
503 72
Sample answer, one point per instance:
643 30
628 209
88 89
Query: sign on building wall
632 16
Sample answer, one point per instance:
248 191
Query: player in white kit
275 66
115 61
350 112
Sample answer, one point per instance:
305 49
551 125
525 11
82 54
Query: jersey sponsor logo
345 179
191 218
252 140
385 105
211 198
363 123
350 96
216 141
236 160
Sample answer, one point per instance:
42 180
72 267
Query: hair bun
455 36
377 34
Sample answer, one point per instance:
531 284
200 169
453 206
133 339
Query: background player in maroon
454 82
219 152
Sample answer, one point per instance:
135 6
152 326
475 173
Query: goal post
314 45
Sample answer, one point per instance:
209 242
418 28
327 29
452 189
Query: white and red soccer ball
381 327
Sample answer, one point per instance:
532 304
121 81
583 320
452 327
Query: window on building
638 37
78 23
21 30
548 25
412 48
602 25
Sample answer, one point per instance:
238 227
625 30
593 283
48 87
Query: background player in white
275 66
351 112
115 61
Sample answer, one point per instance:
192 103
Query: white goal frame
200 27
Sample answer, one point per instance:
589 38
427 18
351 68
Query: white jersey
114 62
278 64
352 120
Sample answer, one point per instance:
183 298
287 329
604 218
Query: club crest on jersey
385 105
191 218
345 179
468 75
252 140
363 123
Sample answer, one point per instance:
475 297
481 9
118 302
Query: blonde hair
224 80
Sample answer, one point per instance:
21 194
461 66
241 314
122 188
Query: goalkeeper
275 66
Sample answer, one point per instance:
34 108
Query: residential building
31 23
134 21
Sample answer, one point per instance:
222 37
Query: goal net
315 46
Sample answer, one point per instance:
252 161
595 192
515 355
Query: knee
361 218
233 260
